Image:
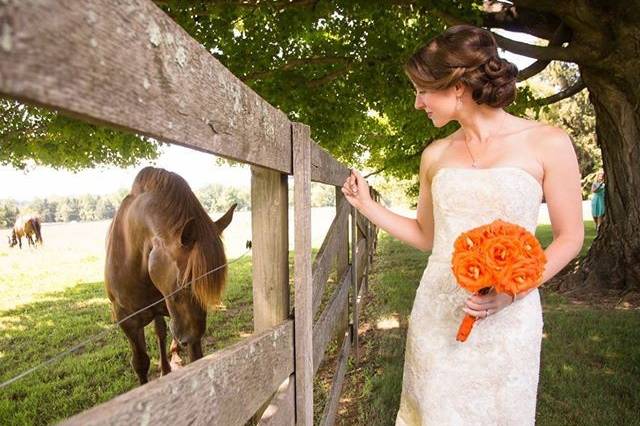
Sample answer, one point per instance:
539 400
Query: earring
458 103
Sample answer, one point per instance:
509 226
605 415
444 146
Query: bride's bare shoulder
433 151
535 129
430 155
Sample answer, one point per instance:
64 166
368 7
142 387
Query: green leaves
51 139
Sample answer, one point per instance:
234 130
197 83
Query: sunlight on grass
387 323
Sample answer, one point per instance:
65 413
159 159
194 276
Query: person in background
597 200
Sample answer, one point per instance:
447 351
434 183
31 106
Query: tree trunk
613 262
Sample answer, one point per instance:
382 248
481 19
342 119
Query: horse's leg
139 359
161 332
20 242
194 350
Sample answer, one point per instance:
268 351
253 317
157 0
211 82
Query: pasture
53 297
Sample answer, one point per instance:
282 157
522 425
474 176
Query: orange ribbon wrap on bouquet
502 255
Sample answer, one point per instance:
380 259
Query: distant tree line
215 198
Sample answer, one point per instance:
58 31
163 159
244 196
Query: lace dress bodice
466 198
492 377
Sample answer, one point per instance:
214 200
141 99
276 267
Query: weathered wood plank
331 407
325 168
362 260
302 274
362 225
342 252
270 245
282 410
335 314
355 267
224 388
323 262
126 64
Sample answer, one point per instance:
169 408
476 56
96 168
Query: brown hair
467 54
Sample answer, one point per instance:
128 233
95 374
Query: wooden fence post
354 282
303 308
270 242
270 265
342 252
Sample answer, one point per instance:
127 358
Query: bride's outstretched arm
416 232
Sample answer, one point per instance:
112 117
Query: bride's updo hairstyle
467 54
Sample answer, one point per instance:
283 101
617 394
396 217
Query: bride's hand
478 304
356 190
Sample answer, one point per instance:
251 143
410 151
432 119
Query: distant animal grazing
160 239
28 227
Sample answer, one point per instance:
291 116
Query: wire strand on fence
113 326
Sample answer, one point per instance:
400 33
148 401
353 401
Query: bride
495 165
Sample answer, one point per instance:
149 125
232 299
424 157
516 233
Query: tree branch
566 93
498 14
295 62
548 53
562 34
330 76
501 15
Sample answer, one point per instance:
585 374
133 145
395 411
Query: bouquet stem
467 322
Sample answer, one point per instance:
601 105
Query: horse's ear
188 235
225 220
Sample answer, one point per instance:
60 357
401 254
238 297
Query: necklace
473 160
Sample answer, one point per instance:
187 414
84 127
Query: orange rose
532 248
470 270
519 276
501 251
469 241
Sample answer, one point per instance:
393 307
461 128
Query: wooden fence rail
127 65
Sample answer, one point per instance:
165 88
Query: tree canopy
52 139
336 66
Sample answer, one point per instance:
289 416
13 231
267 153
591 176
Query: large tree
337 67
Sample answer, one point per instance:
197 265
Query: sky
198 168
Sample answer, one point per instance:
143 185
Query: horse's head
13 239
175 261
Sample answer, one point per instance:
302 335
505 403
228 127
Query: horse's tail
37 229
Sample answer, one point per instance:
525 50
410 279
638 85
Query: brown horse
159 240
28 227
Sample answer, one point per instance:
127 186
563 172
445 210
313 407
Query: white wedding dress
492 377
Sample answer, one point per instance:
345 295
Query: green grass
53 298
590 361
100 371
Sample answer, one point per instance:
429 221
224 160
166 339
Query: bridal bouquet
502 255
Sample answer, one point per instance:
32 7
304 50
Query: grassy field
53 298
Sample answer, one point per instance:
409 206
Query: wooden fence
127 65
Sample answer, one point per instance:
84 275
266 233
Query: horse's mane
177 205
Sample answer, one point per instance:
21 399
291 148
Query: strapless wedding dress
492 377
